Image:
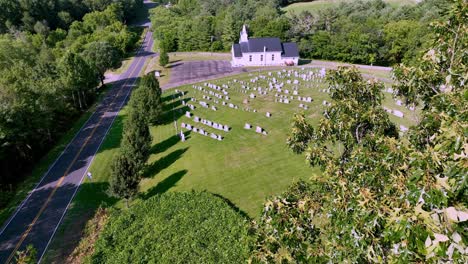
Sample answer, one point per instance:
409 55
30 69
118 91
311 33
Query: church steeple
244 36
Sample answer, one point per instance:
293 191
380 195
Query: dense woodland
50 72
368 32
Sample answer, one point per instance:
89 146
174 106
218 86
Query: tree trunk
79 100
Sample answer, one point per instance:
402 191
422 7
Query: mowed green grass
317 5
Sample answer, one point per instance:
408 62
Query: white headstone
258 129
247 126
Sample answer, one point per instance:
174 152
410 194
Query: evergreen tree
147 98
136 141
163 58
124 177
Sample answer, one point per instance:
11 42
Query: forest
53 55
367 32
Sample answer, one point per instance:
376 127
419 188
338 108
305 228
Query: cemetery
234 134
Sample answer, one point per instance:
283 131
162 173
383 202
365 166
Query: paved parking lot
194 71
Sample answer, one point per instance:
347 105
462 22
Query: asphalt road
38 217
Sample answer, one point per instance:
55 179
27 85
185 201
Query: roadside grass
316 6
198 56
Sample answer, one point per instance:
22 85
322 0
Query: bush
175 228
163 58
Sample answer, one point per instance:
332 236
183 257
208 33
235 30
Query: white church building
263 52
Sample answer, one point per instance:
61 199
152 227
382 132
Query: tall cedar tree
136 141
147 98
124 177
134 151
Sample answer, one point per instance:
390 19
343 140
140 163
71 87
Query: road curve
37 218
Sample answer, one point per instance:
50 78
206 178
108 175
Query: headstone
268 114
403 128
258 129
182 125
189 127
226 128
397 113
182 136
188 114
196 119
247 126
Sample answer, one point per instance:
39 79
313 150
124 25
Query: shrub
175 228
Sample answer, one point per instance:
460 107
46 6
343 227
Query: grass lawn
198 56
317 5
244 168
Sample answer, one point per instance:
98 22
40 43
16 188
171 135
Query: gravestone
247 126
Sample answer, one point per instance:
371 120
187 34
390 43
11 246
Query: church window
272 57
250 58
261 57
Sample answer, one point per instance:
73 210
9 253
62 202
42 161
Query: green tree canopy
102 56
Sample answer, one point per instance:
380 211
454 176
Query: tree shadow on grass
233 206
163 163
174 114
167 143
174 96
164 185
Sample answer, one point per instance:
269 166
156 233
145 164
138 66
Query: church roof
271 44
237 50
290 50
257 45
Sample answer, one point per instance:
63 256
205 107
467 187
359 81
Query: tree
383 199
163 58
147 99
354 114
78 76
27 256
102 56
124 177
136 141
